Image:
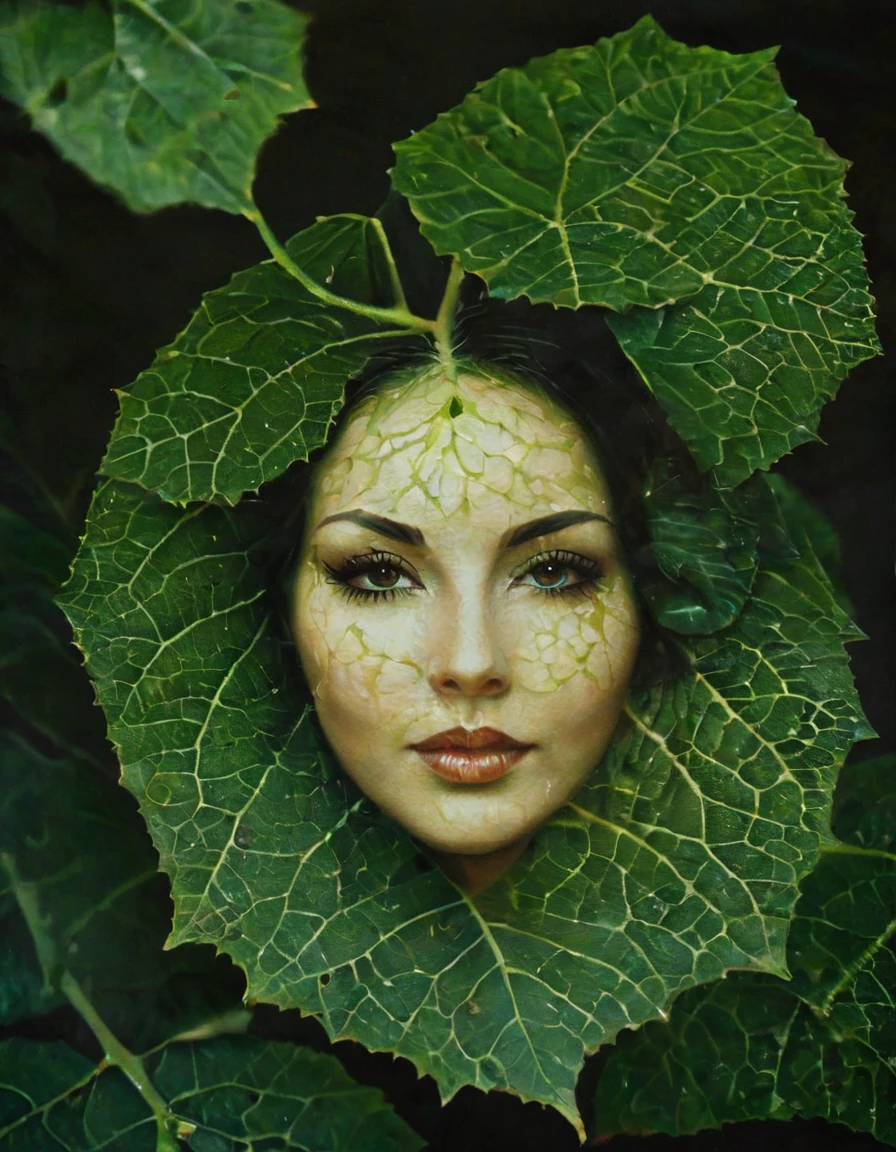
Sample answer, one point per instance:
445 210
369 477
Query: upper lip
480 739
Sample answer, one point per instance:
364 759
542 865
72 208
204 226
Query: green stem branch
444 322
27 898
121 1057
399 315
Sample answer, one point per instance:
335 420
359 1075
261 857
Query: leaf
226 1092
72 847
865 804
679 860
705 549
255 379
162 101
753 1047
675 185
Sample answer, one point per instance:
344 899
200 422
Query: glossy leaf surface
678 860
675 185
253 382
162 101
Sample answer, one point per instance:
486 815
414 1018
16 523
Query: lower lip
465 766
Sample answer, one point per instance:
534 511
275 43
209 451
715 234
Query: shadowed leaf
162 101
756 1048
224 1093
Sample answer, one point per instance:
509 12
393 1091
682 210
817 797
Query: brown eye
552 576
373 576
381 577
561 572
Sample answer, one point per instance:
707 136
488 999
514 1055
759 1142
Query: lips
471 756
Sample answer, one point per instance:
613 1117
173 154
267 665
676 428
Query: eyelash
589 571
355 566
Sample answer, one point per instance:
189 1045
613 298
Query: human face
460 574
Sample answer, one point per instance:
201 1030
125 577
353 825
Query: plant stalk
121 1057
399 315
26 895
444 322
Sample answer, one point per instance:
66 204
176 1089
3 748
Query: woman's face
461 608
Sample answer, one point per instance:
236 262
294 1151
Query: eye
375 576
558 573
380 578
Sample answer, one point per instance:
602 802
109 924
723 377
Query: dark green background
90 290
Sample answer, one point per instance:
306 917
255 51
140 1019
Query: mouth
476 756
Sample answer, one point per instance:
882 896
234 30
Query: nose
466 657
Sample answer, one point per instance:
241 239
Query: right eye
375 576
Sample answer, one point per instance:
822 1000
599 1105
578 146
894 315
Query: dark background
89 290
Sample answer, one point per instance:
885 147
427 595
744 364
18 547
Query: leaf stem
843 849
444 322
26 895
400 314
122 1058
394 278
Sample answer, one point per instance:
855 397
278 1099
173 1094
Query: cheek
587 649
360 671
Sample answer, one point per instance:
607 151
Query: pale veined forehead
473 417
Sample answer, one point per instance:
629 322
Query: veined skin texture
456 625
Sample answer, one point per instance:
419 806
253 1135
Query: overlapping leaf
678 861
754 1047
161 100
224 1092
640 172
73 851
254 381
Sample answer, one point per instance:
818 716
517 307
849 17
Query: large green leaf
256 378
163 101
754 1047
676 185
678 861
224 1093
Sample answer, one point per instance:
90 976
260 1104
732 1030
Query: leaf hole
325 979
456 407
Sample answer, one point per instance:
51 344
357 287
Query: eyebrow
394 529
408 534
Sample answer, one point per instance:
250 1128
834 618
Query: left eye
560 572
551 576
380 578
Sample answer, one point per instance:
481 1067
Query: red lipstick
476 756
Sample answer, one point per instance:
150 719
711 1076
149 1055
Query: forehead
437 446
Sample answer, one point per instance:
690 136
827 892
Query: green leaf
161 100
865 804
77 858
705 548
232 1093
676 185
753 1047
678 860
73 854
255 379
